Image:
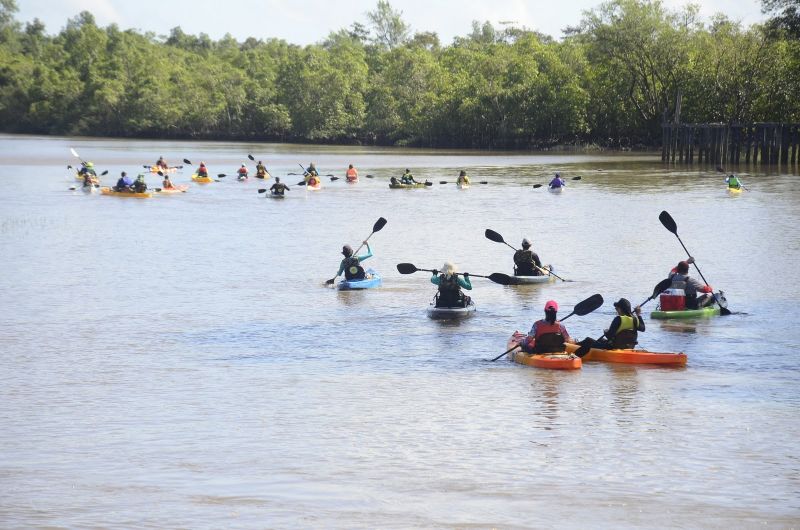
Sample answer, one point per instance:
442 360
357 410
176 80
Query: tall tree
390 30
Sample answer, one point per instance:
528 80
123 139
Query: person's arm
532 332
639 319
700 287
435 278
464 281
341 269
536 259
367 255
564 333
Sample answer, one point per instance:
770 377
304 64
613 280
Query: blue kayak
373 279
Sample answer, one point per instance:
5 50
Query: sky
308 21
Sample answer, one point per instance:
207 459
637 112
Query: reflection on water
182 353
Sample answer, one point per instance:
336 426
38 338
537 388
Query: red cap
551 304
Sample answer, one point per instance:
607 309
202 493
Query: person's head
550 311
166 177
558 175
311 164
350 166
347 251
123 174
259 161
243 165
408 170
202 164
277 179
682 268
140 177
462 174
161 157
526 243
448 269
623 306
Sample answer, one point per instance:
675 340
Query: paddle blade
577 178
69 167
537 185
442 182
251 157
668 222
587 306
74 153
146 166
484 182
379 224
301 183
499 277
334 178
494 236
428 183
160 173
329 282
406 268
262 190
370 177
187 161
221 175
662 286
104 173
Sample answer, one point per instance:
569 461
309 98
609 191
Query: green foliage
612 80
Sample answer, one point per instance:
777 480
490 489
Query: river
178 361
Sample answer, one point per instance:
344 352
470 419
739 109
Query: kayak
352 180
241 178
451 313
462 185
273 195
171 191
202 180
133 194
265 176
373 279
735 190
551 361
630 356
399 186
156 169
559 189
529 280
708 311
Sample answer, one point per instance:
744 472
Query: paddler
242 172
408 178
463 179
698 295
140 186
87 168
202 170
352 173
278 187
622 334
167 183
261 171
733 182
526 260
124 183
547 335
557 182
161 163
351 265
450 284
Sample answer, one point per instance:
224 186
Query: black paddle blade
186 161
406 268
494 236
69 167
484 182
251 158
662 286
577 178
262 190
428 183
145 166
499 277
301 183
160 173
668 222
587 306
221 175
104 173
537 185
334 178
379 224
370 177
442 182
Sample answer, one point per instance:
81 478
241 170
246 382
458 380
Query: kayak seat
549 343
625 340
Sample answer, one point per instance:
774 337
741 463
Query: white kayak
528 280
451 313
560 189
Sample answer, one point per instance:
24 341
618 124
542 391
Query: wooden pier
775 144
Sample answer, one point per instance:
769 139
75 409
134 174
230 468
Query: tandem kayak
631 356
202 180
709 311
451 313
400 186
551 361
373 279
133 194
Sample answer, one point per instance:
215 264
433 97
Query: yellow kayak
202 180
109 191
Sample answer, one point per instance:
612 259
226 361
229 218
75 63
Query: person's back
167 184
202 170
733 182
547 335
557 182
526 260
352 173
278 188
140 186
261 170
449 287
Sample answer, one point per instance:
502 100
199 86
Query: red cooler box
673 300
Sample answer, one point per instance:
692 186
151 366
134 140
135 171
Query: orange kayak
551 361
630 356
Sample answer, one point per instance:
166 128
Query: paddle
377 227
187 162
370 176
264 190
670 224
588 342
497 238
76 155
496 277
540 185
581 308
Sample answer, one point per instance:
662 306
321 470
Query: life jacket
523 259
202 171
353 269
733 182
352 173
548 338
449 294
167 185
242 171
261 170
279 188
627 334
313 181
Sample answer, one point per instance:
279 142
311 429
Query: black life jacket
523 259
353 269
450 294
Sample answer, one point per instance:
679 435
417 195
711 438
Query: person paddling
261 171
124 183
352 174
622 334
450 284
526 260
547 335
278 187
463 179
161 163
87 168
697 295
351 265
557 182
202 170
242 172
733 182
140 186
167 183
408 178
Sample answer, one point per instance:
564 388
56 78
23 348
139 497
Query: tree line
611 80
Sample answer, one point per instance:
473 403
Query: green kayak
686 313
